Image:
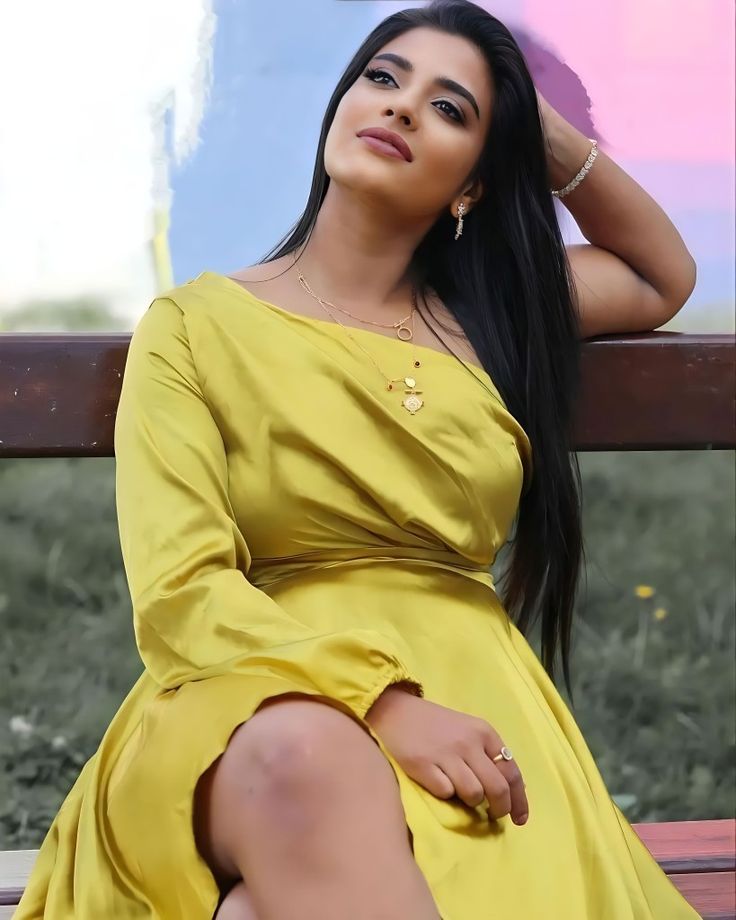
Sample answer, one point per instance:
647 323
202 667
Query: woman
318 460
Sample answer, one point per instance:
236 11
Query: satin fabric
287 525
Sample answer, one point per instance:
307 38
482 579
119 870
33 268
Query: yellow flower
643 591
660 613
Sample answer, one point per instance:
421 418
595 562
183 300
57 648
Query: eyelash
372 72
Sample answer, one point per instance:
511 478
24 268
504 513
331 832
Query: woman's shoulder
178 311
207 288
200 294
263 271
200 310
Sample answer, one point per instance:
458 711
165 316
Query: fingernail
522 819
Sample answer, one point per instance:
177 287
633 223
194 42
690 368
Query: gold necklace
399 326
412 403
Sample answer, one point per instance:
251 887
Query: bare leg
236 905
306 809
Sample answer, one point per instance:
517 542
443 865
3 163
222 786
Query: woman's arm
196 614
637 272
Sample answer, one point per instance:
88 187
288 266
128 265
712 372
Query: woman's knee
287 766
303 748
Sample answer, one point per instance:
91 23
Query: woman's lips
382 146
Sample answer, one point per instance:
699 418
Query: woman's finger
510 771
496 788
468 787
436 781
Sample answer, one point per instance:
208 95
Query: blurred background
144 142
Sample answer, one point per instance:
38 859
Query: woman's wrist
567 150
389 694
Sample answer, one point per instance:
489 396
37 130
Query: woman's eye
371 73
453 109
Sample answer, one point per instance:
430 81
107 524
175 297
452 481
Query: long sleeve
196 614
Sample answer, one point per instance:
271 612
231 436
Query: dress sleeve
195 613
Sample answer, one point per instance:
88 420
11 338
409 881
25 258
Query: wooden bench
700 858
649 391
697 855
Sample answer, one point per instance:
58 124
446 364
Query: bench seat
699 857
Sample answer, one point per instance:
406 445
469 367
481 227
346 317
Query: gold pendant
412 402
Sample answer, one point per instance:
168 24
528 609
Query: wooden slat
710 898
712 894
691 846
647 391
711 843
15 867
59 393
658 391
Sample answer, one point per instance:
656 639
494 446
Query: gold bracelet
560 193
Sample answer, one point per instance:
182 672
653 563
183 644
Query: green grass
654 677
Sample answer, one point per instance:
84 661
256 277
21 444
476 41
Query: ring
504 755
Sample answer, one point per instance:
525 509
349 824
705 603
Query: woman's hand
449 753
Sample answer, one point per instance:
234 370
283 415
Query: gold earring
460 212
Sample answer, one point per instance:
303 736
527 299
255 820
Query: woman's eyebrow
444 82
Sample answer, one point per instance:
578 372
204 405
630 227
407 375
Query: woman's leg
305 808
236 905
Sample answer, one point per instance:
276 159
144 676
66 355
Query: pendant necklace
412 402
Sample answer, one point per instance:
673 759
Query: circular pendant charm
410 382
413 403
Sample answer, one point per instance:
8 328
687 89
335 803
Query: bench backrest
648 391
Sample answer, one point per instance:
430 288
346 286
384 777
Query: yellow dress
287 525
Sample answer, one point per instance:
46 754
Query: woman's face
439 123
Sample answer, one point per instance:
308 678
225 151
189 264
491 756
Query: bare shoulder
273 282
263 271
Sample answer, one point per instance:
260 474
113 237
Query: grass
653 657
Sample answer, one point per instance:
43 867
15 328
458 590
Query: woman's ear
472 195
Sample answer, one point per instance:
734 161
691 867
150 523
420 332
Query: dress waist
268 571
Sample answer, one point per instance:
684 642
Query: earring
460 212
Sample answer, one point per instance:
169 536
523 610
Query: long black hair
510 287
